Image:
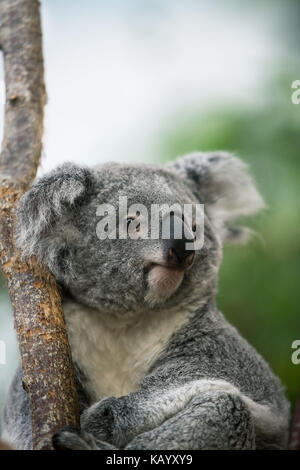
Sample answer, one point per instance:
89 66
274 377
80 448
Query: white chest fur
115 354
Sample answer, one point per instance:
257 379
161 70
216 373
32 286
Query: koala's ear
49 201
223 184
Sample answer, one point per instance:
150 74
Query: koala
157 365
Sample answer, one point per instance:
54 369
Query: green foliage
259 288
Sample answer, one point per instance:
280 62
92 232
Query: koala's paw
103 419
70 438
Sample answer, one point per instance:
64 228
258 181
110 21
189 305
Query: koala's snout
175 249
166 272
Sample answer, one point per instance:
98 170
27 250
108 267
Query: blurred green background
153 80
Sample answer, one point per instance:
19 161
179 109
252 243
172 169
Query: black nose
175 250
177 254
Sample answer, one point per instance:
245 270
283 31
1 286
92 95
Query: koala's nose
176 253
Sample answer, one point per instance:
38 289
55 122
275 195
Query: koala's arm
201 414
202 420
218 420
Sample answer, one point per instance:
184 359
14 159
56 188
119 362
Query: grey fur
206 387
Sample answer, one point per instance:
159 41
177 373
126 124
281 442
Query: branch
48 375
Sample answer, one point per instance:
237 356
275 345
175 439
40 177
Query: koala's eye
129 220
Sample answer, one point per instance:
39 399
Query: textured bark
48 375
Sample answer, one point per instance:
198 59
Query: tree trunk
48 375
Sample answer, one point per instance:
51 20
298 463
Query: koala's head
72 221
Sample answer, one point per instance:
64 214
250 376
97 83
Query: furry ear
50 200
221 182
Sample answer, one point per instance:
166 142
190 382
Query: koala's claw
70 438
